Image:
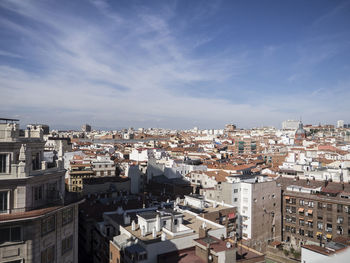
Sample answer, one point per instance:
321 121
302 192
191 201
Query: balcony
49 206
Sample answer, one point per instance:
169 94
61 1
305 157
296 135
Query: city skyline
174 64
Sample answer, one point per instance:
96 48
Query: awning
301 209
318 233
310 220
231 215
329 236
309 211
287 197
301 218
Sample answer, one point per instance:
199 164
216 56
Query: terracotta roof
220 176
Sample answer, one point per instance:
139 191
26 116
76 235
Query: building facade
38 221
315 214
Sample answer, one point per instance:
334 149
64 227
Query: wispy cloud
331 14
9 54
110 72
115 69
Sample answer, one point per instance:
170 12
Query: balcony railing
55 199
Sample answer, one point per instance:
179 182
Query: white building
38 222
154 232
258 203
331 252
290 125
340 124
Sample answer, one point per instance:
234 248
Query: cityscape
160 195
174 131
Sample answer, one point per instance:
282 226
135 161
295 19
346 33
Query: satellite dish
228 244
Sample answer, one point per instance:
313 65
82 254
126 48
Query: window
235 190
175 222
67 244
48 225
340 220
301 222
52 191
329 207
311 204
288 209
36 161
235 200
329 227
10 234
340 230
310 234
164 223
142 256
319 205
3 163
320 225
3 202
67 216
48 255
301 232
347 209
339 208
301 202
38 193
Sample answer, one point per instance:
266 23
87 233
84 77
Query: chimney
143 231
154 232
208 254
163 236
202 231
157 223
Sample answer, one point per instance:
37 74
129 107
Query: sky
174 64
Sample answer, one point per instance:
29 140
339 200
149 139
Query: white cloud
118 72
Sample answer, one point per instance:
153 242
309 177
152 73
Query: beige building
314 212
258 202
38 221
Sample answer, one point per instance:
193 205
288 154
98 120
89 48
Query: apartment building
246 146
81 170
258 202
144 235
38 220
76 173
103 166
315 212
334 251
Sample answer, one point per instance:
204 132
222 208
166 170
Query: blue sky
174 64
